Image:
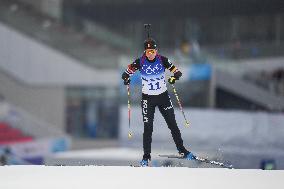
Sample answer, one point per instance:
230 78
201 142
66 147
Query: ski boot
188 156
144 163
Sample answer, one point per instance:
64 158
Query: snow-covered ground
106 177
117 157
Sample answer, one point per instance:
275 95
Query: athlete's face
151 53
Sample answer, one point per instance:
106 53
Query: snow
87 177
104 153
114 157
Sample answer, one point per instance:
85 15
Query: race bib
153 78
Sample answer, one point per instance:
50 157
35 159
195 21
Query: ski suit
154 93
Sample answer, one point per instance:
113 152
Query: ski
132 165
200 159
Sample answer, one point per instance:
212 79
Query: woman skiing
154 93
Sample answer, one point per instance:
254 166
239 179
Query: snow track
87 177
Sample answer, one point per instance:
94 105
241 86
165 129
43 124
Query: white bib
153 77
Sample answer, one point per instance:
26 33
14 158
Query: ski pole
180 107
129 112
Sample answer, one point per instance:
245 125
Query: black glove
126 79
176 76
172 80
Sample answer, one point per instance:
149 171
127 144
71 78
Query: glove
176 76
172 80
126 79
